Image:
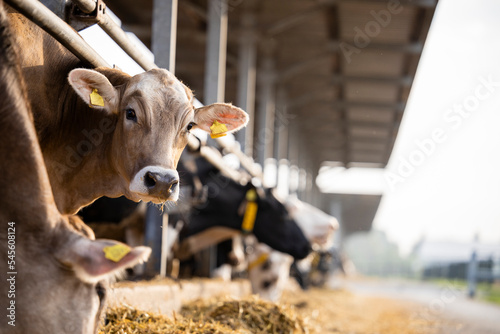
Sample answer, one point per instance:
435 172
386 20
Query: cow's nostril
149 180
173 184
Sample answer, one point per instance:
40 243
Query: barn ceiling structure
324 80
341 69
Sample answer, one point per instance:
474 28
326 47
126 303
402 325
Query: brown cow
127 145
52 278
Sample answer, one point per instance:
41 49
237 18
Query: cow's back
45 63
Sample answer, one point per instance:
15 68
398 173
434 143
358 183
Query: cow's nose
160 183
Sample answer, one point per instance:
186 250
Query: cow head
318 226
275 227
63 277
268 271
225 199
155 114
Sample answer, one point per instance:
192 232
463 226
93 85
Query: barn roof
346 67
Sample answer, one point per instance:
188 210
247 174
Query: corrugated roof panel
370 132
370 115
374 63
374 23
371 92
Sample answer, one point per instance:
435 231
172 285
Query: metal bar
412 48
282 128
416 3
164 248
118 35
306 100
153 239
281 137
401 81
50 22
86 6
121 38
247 80
164 33
215 66
265 116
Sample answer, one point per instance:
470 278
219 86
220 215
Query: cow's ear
94 88
94 260
232 117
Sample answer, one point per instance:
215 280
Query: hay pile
215 317
251 315
127 320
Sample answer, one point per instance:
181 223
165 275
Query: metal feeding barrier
84 13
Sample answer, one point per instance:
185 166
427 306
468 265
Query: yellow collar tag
96 99
258 261
250 211
116 252
218 130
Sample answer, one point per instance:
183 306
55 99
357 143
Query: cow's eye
190 126
130 114
101 292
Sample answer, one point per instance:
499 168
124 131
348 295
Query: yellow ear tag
116 252
250 211
96 99
218 130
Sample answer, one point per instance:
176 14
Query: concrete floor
465 316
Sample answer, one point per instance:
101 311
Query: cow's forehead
159 81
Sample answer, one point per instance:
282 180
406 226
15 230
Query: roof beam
400 81
313 123
416 3
300 67
304 66
411 48
304 100
293 20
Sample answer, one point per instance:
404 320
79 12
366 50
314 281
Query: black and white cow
224 206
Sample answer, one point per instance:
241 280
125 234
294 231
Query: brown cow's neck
25 191
72 187
78 150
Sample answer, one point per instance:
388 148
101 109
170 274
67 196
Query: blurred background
381 113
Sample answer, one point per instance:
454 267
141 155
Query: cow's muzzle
156 184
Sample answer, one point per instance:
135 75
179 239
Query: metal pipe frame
247 79
164 33
215 64
63 33
116 33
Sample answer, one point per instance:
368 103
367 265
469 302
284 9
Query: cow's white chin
156 200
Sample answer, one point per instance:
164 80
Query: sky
443 178
442 181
